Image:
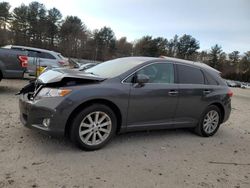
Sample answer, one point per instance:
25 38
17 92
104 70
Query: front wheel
93 127
210 122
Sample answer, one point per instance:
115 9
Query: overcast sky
223 22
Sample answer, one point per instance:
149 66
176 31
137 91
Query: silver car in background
41 58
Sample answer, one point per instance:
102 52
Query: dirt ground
169 158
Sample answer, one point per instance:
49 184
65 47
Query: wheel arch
1 75
85 104
222 110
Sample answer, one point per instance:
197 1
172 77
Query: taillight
61 62
23 60
230 93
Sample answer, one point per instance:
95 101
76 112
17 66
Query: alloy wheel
95 128
211 121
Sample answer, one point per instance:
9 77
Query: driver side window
159 73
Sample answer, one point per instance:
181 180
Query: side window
190 75
46 55
15 48
159 73
32 53
210 79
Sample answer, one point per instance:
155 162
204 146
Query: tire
207 127
1 76
90 131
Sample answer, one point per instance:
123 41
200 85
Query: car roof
187 62
176 60
143 59
31 48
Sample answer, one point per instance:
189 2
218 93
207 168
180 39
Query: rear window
210 79
190 75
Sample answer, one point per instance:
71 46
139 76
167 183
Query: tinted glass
15 48
190 75
32 53
159 73
211 80
46 55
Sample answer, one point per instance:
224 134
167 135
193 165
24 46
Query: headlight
53 92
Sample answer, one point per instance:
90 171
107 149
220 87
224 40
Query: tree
147 46
36 19
214 56
19 25
202 56
161 46
53 20
4 20
187 46
172 46
4 14
244 67
105 43
72 36
123 48
234 56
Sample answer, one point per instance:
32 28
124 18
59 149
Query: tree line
35 25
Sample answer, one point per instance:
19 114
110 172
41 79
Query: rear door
154 103
47 60
192 94
33 61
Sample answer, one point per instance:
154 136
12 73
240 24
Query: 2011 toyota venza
126 94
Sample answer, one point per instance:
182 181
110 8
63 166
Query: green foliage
147 46
4 14
19 25
187 46
123 48
214 56
104 43
5 17
53 23
234 56
72 36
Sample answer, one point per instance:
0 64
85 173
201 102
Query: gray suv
126 94
40 57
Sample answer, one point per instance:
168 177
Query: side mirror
141 79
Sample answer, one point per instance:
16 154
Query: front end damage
49 114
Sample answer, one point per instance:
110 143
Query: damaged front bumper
42 115
50 114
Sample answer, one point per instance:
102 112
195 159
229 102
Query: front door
153 103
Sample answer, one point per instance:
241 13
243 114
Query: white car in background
245 86
41 58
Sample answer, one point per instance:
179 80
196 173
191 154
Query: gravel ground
169 158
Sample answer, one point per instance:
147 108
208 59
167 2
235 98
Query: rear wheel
1 76
210 122
93 127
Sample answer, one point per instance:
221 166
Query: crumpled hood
58 74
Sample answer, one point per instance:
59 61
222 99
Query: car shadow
54 144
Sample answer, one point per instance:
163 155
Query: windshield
113 68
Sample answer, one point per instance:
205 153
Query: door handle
173 92
207 91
